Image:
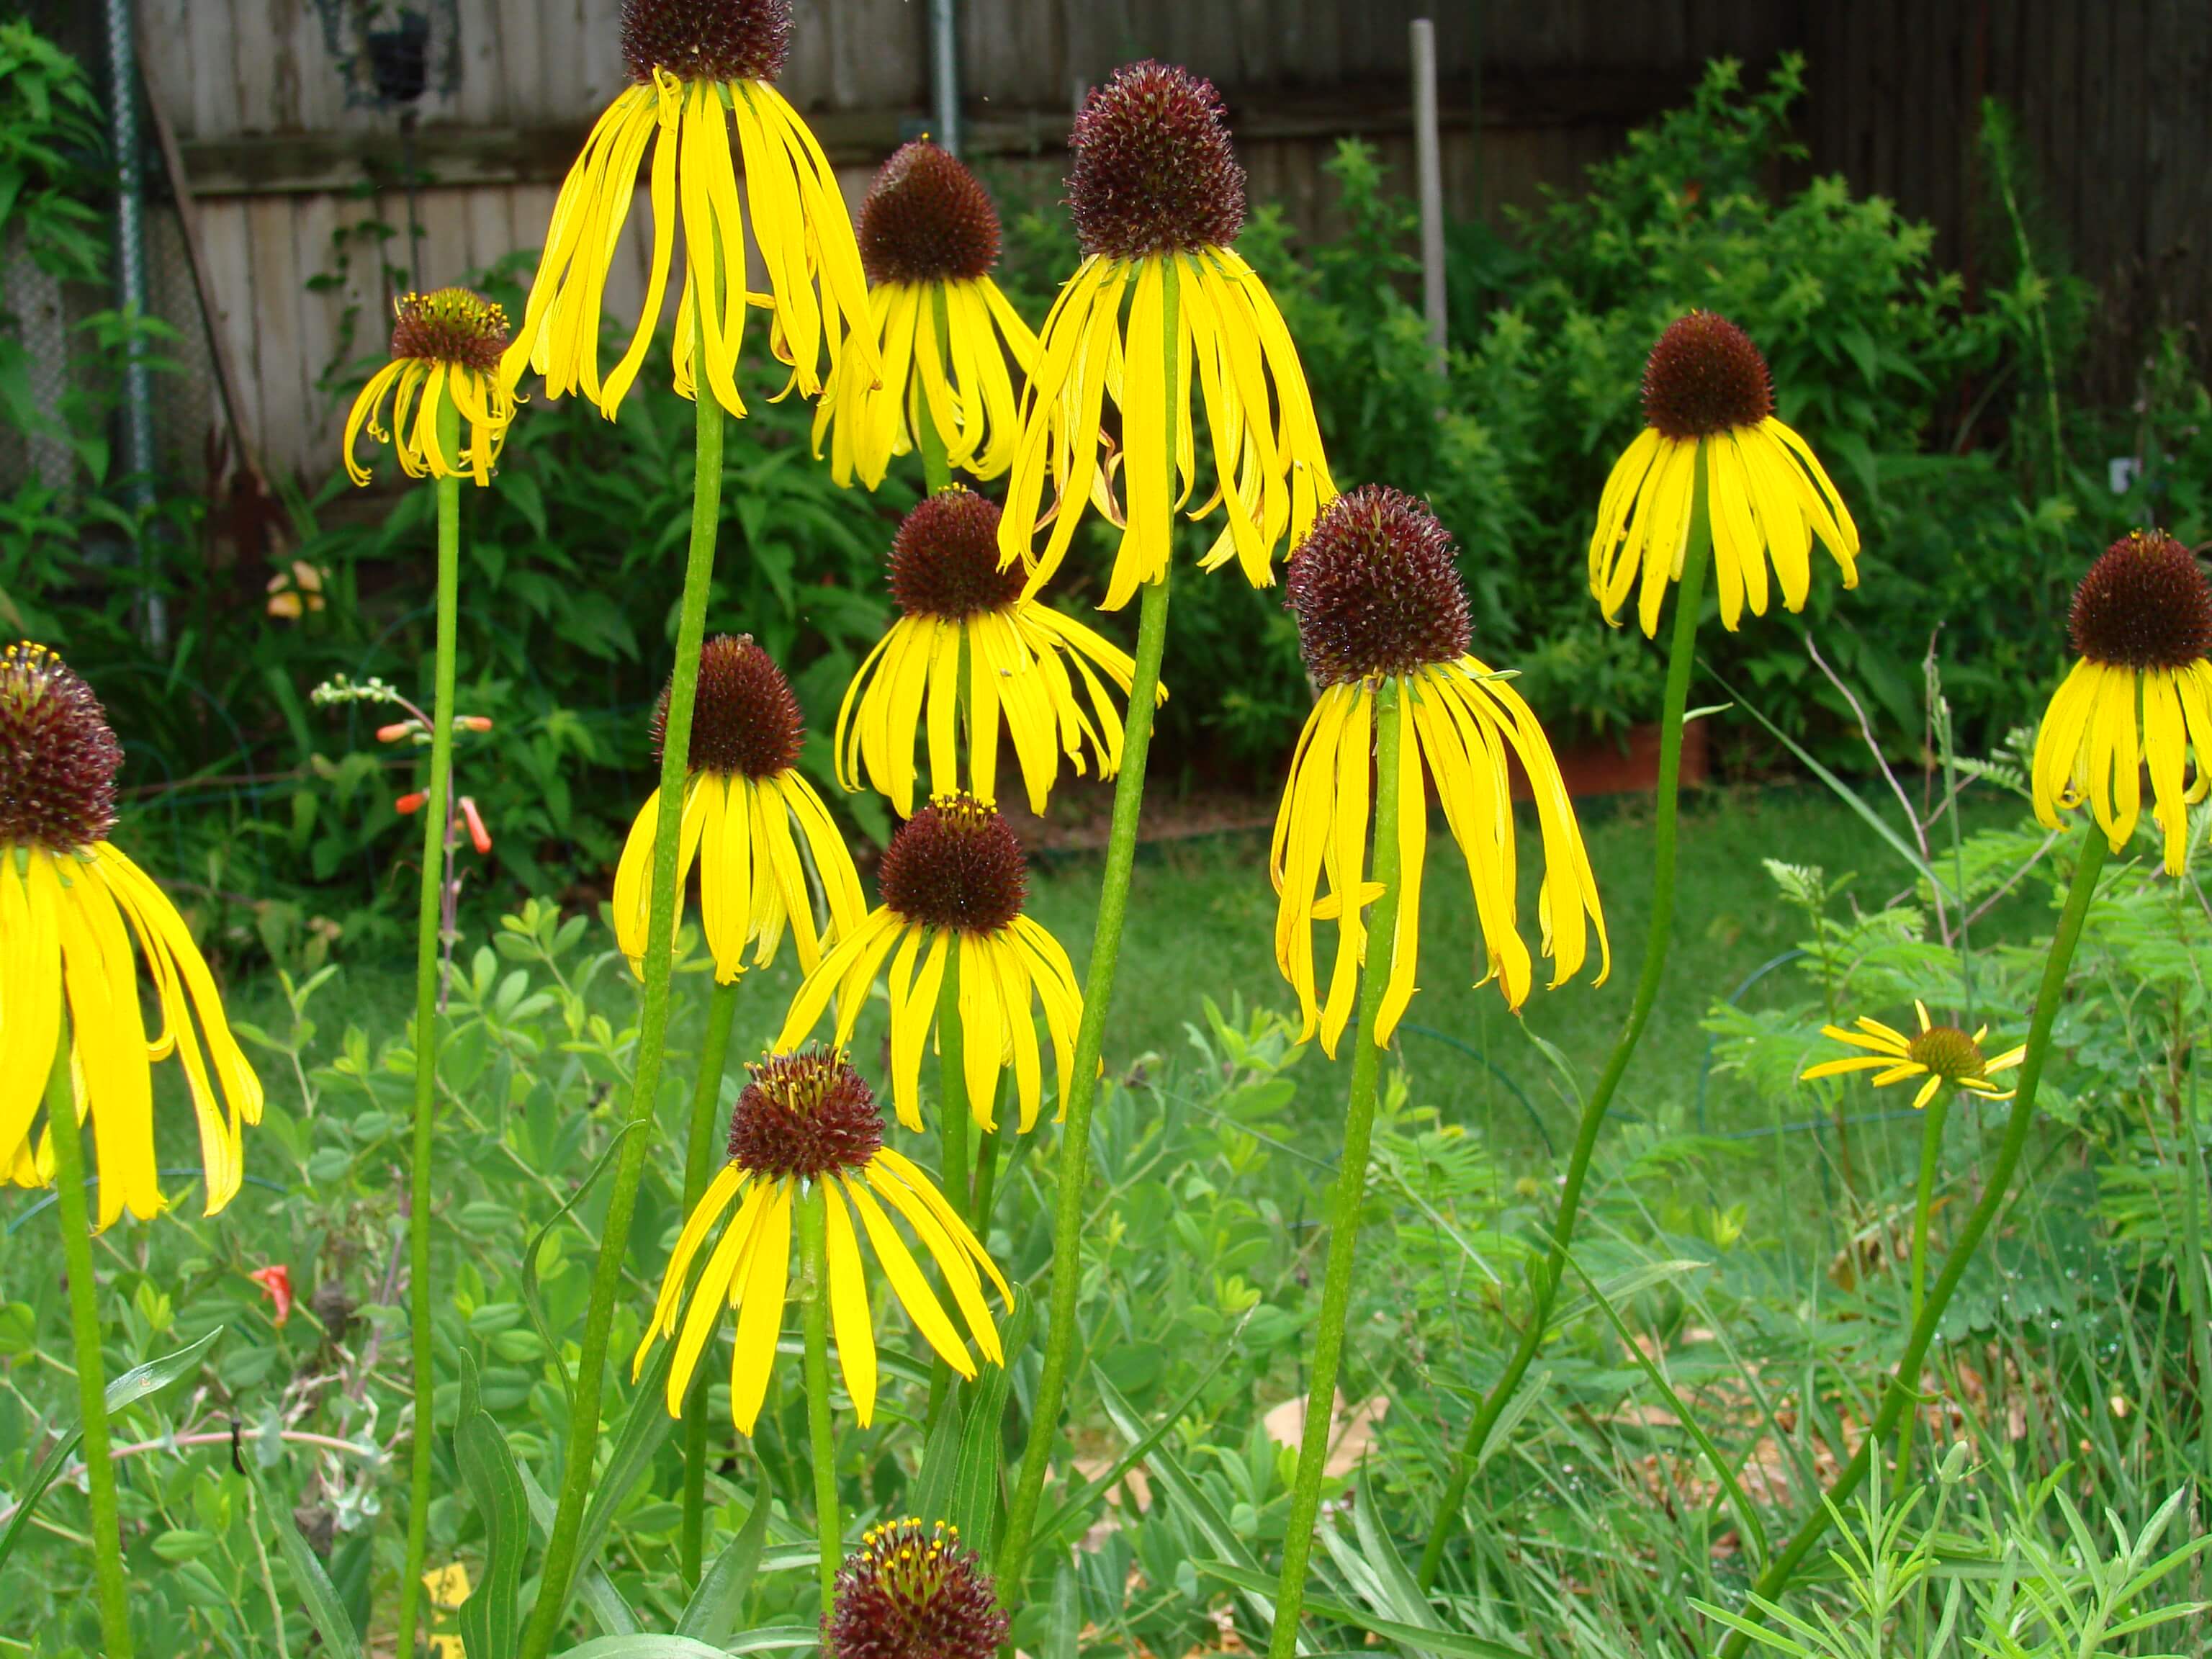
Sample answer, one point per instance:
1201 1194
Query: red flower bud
395 731
276 1282
411 802
474 722
479 836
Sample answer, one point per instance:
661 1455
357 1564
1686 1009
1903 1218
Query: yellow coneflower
1940 1053
928 239
912 1591
741 800
2139 694
1706 392
697 69
807 1122
1378 599
446 348
971 640
952 881
66 892
1158 197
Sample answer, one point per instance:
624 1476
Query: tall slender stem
1350 1193
91 1367
1682 659
936 468
952 1127
652 1037
822 1443
1784 1565
430 924
1098 999
1924 1201
1082 1089
698 1164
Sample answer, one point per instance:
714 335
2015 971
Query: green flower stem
821 1443
1083 1090
1090 1033
652 1039
1923 1198
952 1126
1901 1391
936 469
987 1149
1351 1193
1681 658
91 1368
437 839
698 1166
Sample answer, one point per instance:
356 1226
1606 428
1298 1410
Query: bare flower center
449 325
955 863
1947 1052
927 219
58 756
807 1113
746 722
944 558
1703 377
2145 604
706 40
912 1592
1376 589
1154 169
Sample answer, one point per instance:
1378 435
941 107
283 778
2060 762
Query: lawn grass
1202 925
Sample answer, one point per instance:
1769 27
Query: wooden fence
282 156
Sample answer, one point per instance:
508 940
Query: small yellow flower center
1947 1052
450 325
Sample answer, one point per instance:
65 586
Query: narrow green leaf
974 1504
1064 1629
326 1608
605 1601
718 1603
1451 1641
533 1301
490 1618
644 1647
931 1495
644 1431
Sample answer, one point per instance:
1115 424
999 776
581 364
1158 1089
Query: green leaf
645 1429
931 1495
615 1615
644 1647
326 1610
534 1304
720 1601
138 1384
973 1507
490 1616
1456 1644
1064 1626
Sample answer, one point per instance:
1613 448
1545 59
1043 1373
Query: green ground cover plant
1807 1254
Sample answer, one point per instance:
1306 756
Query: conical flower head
1154 170
2145 604
453 325
927 219
807 1114
956 864
944 558
745 721
57 784
706 40
1705 376
912 1591
1377 590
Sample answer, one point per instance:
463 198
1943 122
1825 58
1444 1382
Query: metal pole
1428 163
130 280
945 73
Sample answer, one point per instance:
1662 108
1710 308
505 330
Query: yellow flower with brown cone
445 354
944 333
1378 599
1157 198
1934 1055
700 70
952 882
72 905
2138 697
744 798
807 1124
973 646
1709 403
